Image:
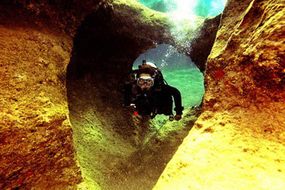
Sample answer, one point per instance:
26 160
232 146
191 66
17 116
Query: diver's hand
177 117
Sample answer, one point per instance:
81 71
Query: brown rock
245 91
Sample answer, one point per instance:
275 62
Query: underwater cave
110 146
62 123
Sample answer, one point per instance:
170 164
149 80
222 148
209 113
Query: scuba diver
149 94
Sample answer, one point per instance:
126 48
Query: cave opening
113 152
178 70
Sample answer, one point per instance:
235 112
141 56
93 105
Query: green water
189 81
159 5
178 71
198 7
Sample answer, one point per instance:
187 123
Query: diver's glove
177 117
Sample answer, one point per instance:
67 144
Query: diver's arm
177 99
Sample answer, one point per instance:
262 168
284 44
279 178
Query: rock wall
238 141
35 134
105 46
200 45
36 138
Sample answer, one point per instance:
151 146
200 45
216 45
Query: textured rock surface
200 46
107 43
238 141
35 135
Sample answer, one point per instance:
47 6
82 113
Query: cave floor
113 154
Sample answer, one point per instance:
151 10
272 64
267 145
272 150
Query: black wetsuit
157 100
163 100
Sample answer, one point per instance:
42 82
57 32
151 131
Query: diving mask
145 81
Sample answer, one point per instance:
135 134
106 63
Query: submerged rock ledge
238 141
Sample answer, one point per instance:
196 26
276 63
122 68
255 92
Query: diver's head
145 81
143 64
146 64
